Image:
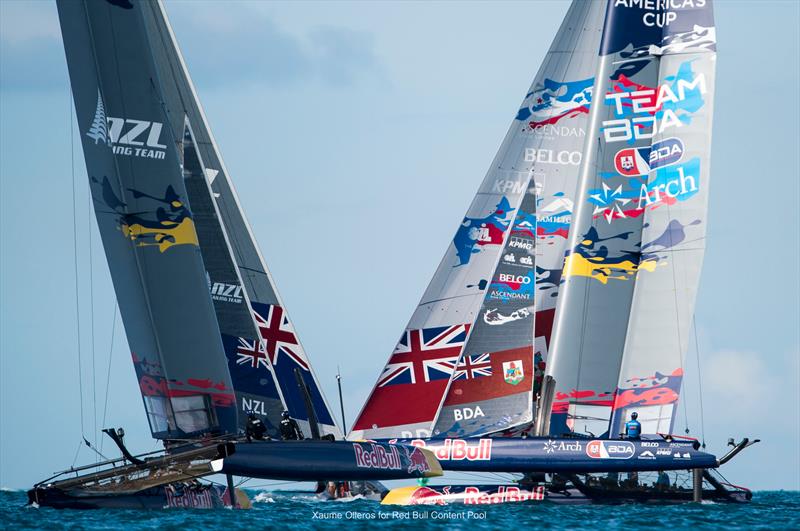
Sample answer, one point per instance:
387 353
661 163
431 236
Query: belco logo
515 279
458 449
610 450
548 156
137 138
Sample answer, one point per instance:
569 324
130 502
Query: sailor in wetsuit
633 430
290 431
255 428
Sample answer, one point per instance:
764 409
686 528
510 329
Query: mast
637 240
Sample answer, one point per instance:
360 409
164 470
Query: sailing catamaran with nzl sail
212 345
563 304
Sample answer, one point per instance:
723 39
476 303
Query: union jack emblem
424 355
474 367
252 353
278 336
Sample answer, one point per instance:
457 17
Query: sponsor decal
552 446
548 156
223 292
458 449
195 498
126 136
512 372
467 413
678 455
520 243
643 112
631 162
416 460
557 131
647 454
474 496
509 286
506 186
610 449
660 13
370 455
646 444
663 451
494 317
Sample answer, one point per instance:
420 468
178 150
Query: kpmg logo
126 136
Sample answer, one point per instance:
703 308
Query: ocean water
282 510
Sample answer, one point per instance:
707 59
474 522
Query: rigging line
108 374
91 317
699 381
75 260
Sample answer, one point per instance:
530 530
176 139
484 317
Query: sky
363 131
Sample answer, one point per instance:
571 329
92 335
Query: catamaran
211 341
564 302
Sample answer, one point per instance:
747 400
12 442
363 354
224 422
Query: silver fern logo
126 136
98 131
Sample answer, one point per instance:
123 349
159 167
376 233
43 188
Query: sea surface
284 510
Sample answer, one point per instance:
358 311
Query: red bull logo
376 456
458 449
428 496
417 461
474 496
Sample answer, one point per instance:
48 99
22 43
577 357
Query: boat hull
160 497
476 495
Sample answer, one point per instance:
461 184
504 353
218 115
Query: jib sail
146 222
637 243
493 386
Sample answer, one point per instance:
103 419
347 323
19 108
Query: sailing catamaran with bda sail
564 302
211 342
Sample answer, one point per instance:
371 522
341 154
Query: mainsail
637 241
200 309
465 363
548 133
275 349
146 223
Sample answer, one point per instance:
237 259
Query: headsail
637 241
277 337
146 222
473 330
513 328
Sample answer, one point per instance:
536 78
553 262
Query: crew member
290 431
633 430
255 428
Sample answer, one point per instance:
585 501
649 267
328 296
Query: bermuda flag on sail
415 378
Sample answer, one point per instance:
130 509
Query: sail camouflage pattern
252 279
636 248
146 222
517 312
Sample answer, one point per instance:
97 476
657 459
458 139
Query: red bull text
458 449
